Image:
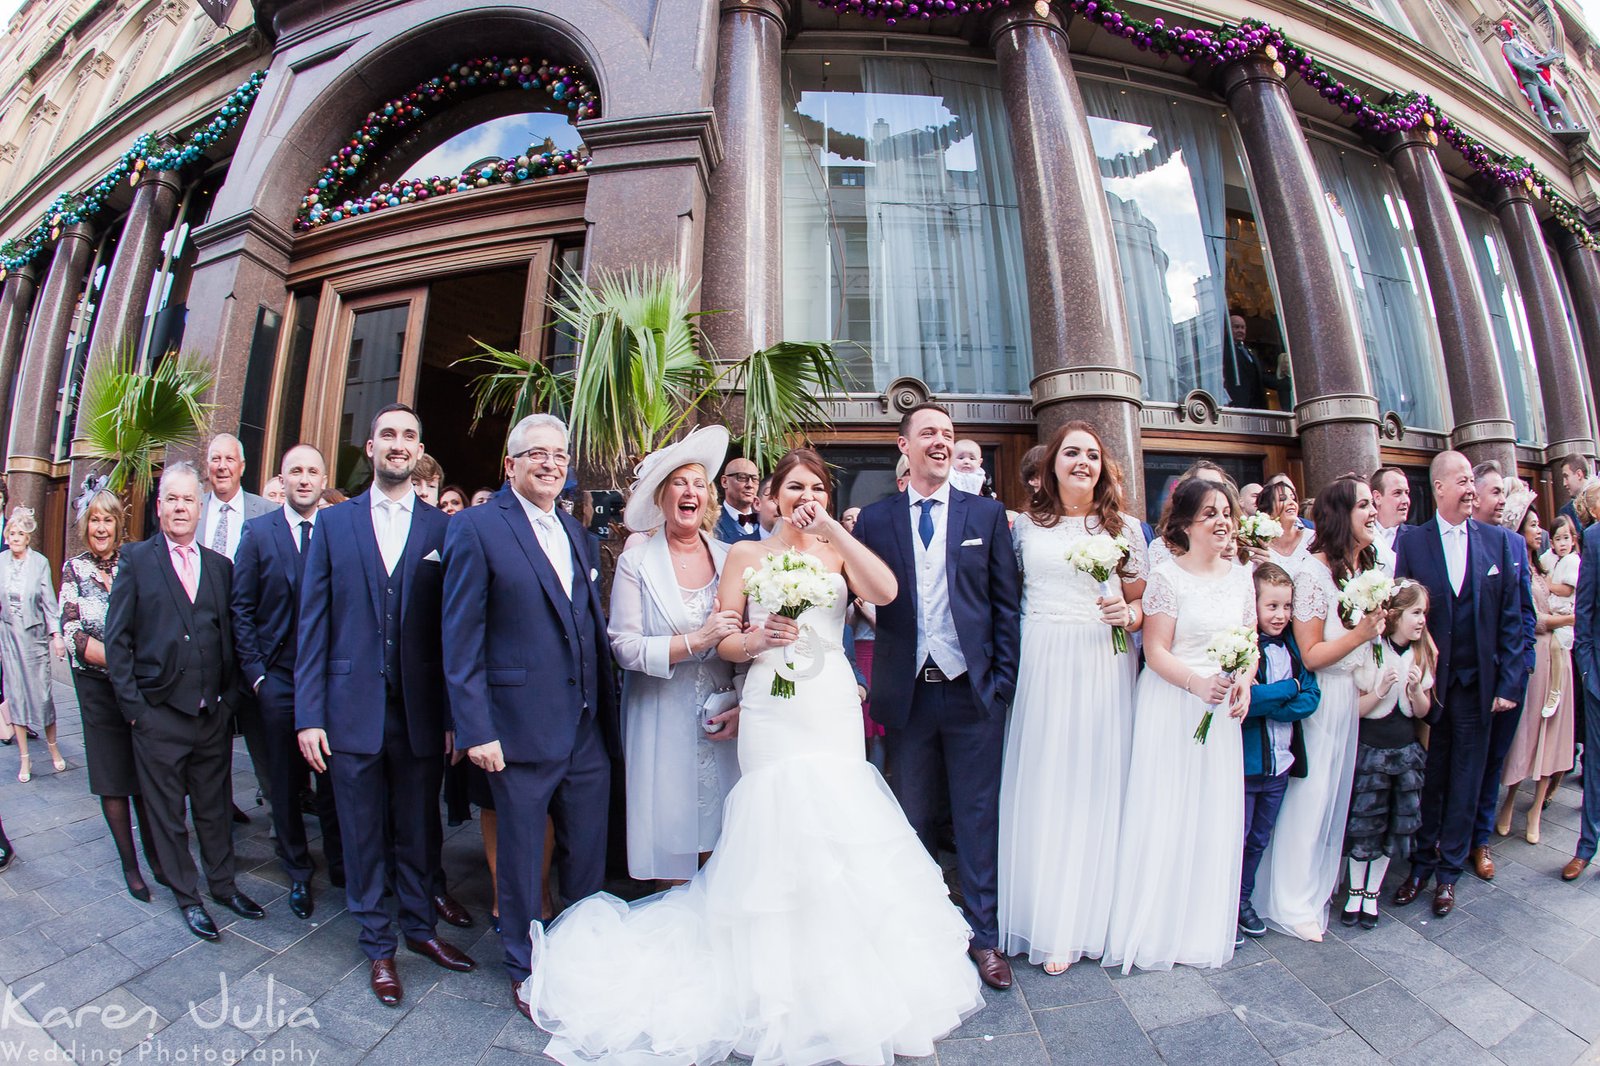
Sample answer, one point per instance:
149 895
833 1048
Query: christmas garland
332 198
146 153
1399 112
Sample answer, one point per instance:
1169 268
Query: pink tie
186 569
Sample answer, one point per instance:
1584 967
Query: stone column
30 457
16 303
1082 360
1566 417
1582 268
743 263
1335 411
121 314
1482 415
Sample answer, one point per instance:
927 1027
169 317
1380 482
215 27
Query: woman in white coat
31 633
678 711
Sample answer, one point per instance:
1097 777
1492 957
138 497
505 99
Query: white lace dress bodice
1316 596
1052 587
1203 606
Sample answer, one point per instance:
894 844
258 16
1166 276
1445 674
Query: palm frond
515 384
126 415
784 389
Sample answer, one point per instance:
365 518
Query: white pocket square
431 557
1493 570
594 575
971 543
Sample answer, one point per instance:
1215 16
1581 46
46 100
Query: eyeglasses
540 456
744 479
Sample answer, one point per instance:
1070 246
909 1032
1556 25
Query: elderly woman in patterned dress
86 581
30 634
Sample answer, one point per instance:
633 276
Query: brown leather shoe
1483 863
1408 891
522 1005
442 954
451 911
992 967
1444 900
386 982
1574 869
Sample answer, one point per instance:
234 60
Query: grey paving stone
27 908
1207 1041
1346 1049
1084 982
1478 1007
352 995
359 1033
1283 1014
1389 1018
522 1037
1003 1014
34 872
1446 1046
77 892
1485 947
189 1040
106 1026
441 1028
1533 928
1167 997
76 979
1539 1041
1560 994
196 974
156 939
24 953
1331 969
1105 1025
1406 956
306 1045
1023 1049
323 957
258 1005
1247 954
1585 962
93 923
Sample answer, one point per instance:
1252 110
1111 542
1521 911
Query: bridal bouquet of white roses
1258 530
1099 555
789 584
1234 651
1363 594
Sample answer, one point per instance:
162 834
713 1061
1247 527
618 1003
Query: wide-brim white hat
707 446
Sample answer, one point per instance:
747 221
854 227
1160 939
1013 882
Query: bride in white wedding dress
819 930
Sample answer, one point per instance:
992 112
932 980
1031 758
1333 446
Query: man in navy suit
1574 474
739 519
1475 618
531 679
266 617
1586 660
369 693
945 667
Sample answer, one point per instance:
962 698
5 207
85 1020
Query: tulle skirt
1300 868
1061 793
1177 873
819 931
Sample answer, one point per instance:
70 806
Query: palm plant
127 415
642 369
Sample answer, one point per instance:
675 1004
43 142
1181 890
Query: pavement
88 974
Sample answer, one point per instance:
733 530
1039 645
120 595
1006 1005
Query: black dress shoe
136 886
200 923
239 816
1444 900
451 911
1407 892
300 902
242 905
336 877
7 853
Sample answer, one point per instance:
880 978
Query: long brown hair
1408 594
1335 536
1044 506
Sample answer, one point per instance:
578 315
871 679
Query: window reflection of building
901 231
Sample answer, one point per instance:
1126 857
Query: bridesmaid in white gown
1278 501
819 930
1071 724
1177 872
1300 868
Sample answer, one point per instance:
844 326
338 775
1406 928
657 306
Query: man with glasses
530 676
740 519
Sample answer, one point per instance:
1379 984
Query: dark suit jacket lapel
371 558
580 562
163 559
1433 544
416 541
517 519
283 542
1477 558
955 531
900 532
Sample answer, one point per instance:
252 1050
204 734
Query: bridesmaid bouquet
789 584
1364 593
1234 651
1099 555
1258 530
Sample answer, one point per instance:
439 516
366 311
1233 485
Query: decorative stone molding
46 112
8 152
1085 383
1484 431
1174 418
654 141
1559 449
1392 428
1201 408
102 64
1336 407
905 393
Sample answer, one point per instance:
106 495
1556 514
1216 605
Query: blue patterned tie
925 523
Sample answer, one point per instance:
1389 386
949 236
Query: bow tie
747 519
1266 641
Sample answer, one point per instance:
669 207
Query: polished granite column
16 305
121 313
1582 269
1336 413
742 267
29 458
1566 415
1482 415
1082 360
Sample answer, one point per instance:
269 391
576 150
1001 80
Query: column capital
1501 196
645 141
78 231
776 10
1484 431
1391 144
1039 14
1253 69
169 179
1086 382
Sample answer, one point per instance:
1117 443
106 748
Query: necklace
684 558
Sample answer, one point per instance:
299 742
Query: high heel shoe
25 771
56 759
1503 828
136 886
1532 835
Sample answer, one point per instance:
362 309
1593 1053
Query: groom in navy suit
946 662
369 693
1475 618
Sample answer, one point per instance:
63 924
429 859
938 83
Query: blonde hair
106 502
22 519
708 520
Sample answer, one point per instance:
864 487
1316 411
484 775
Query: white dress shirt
936 625
235 509
1280 667
552 537
391 522
294 518
1383 544
1454 540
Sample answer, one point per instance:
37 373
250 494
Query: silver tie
219 539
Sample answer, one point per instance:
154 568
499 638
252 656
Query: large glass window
1195 275
1476 60
1386 11
1507 319
900 223
1379 248
474 133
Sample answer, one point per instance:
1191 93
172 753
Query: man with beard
370 699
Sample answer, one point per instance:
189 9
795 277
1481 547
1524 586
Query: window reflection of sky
1164 195
847 114
499 138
